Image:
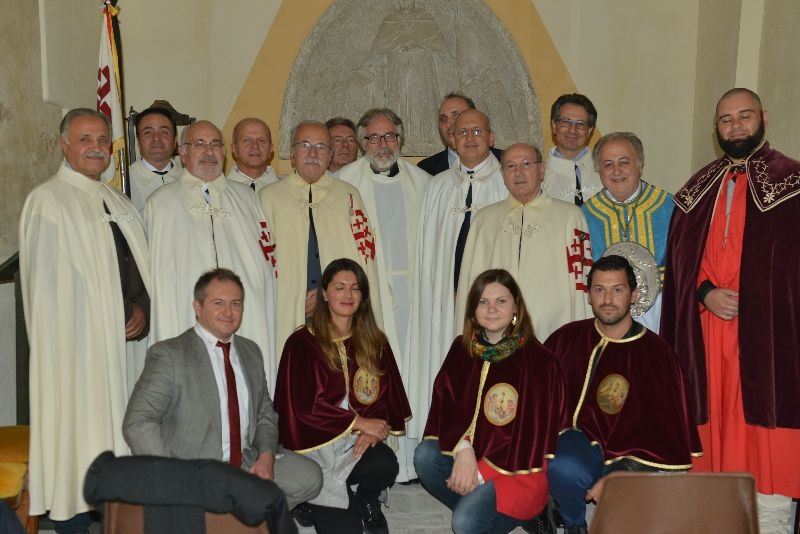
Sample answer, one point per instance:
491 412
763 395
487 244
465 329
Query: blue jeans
475 512
575 469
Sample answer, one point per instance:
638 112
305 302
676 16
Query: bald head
473 137
202 150
252 146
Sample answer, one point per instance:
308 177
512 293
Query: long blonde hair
367 337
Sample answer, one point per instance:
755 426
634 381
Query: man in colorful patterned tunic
732 302
626 406
628 209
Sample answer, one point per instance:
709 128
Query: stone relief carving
406 55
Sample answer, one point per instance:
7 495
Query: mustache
208 158
94 154
312 161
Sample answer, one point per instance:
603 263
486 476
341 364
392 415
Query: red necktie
233 407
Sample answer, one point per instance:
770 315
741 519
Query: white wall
194 53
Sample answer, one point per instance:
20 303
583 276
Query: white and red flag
109 92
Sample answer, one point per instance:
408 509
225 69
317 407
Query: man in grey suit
179 407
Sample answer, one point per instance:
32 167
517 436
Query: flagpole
109 94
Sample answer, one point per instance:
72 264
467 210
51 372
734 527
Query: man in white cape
201 222
75 312
392 189
340 223
570 174
543 242
441 230
156 135
252 150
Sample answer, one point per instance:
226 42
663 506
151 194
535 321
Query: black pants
374 472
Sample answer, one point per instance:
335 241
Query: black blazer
437 163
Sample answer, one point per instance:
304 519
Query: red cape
769 295
308 395
635 404
521 444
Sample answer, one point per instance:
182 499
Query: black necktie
313 268
161 173
462 234
253 186
578 191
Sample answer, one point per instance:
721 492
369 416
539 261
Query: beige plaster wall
636 61
194 53
27 157
717 53
28 126
779 75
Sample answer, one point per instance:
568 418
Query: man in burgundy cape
732 306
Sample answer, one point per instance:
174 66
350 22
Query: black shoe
543 523
303 514
371 514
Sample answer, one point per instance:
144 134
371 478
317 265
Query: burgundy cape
651 424
520 445
309 394
769 295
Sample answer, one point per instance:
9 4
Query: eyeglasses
350 140
374 139
525 165
477 132
308 147
569 123
202 144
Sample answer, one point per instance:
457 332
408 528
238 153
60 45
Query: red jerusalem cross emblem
267 246
362 234
579 259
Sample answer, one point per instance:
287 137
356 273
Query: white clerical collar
578 156
630 198
152 168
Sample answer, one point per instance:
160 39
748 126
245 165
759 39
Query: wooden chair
124 518
14 474
672 503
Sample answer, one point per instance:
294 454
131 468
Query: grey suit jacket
174 409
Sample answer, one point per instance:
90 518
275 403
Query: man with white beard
392 190
201 222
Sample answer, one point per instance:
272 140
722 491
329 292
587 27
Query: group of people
360 272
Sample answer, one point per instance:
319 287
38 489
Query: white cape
432 318
545 246
79 372
343 231
188 237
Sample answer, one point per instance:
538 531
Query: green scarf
500 351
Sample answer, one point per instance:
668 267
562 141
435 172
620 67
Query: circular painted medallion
366 387
500 404
611 393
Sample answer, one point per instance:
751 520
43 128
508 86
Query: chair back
125 518
672 503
